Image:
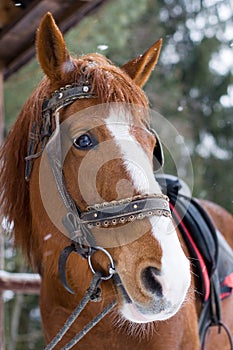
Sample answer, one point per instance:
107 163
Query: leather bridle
78 223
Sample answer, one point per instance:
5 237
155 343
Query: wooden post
20 282
2 346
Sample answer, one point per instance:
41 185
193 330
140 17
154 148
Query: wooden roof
19 23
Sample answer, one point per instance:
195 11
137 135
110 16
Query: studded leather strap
65 96
119 212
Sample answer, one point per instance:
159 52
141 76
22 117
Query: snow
208 147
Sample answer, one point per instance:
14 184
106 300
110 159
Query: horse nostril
151 282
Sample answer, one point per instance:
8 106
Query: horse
117 218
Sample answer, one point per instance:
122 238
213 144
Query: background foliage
192 87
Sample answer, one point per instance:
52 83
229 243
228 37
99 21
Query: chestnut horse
157 304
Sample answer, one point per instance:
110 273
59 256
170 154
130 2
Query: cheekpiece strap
59 99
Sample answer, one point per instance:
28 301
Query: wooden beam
17 42
8 12
28 283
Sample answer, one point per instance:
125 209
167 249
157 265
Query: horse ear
140 68
51 48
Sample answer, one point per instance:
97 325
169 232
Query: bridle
78 223
108 214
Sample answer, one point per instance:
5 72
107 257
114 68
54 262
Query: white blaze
175 276
134 157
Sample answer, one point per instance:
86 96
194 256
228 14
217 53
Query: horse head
107 167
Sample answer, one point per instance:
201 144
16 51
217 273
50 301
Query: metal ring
111 267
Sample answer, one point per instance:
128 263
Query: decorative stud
85 88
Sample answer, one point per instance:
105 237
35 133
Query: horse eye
83 142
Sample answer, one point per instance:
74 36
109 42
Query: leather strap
62 266
65 96
115 212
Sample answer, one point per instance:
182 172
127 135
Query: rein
77 223
92 294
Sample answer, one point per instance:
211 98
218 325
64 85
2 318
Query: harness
212 257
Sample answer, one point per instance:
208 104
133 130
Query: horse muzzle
159 301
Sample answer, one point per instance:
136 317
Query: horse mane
109 83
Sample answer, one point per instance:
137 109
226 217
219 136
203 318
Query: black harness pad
198 231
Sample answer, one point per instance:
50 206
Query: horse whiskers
194 290
189 298
197 292
191 260
132 329
193 273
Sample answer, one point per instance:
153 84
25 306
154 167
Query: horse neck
15 199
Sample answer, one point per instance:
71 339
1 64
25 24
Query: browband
65 96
